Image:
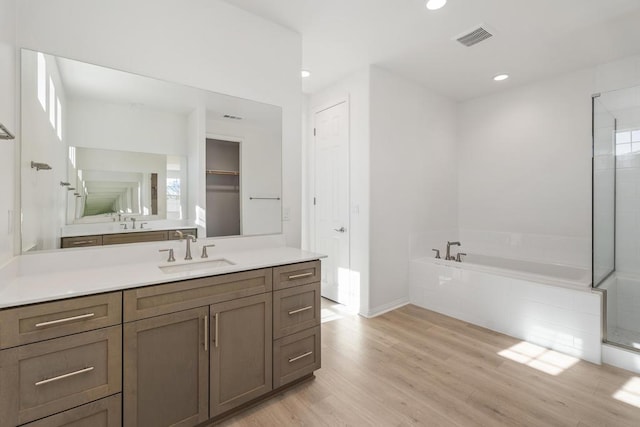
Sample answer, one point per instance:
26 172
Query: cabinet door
166 370
241 347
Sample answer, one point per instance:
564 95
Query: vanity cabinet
120 238
197 348
47 377
166 369
105 412
296 321
178 354
81 241
241 352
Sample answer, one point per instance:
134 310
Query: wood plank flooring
416 367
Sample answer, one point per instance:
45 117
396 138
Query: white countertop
63 274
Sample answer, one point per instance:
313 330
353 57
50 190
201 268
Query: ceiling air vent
474 36
232 117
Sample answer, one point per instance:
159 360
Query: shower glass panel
616 211
604 191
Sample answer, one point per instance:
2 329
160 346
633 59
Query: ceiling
533 39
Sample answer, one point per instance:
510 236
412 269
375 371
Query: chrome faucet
448 256
133 221
190 238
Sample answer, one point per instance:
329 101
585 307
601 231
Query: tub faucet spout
448 256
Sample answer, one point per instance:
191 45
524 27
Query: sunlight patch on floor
548 361
329 315
630 392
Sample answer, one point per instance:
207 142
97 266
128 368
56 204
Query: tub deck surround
557 313
547 274
47 276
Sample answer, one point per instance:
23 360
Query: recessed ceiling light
435 4
305 74
501 77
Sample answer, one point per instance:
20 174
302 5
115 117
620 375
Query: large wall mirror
104 149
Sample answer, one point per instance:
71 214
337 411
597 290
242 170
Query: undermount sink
209 264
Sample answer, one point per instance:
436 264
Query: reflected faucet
190 238
448 256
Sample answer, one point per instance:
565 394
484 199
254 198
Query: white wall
8 117
413 182
43 199
355 89
109 126
202 43
525 171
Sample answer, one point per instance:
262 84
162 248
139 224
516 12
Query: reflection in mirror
111 183
124 148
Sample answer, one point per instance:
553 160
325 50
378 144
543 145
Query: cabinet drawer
52 376
163 299
296 309
292 275
23 325
173 236
81 241
137 237
295 356
105 412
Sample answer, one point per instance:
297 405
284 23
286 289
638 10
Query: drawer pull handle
66 319
217 339
83 242
293 359
70 374
206 333
300 310
300 276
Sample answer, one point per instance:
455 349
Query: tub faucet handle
437 251
459 256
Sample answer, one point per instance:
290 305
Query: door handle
340 230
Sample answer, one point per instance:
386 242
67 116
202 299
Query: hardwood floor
416 367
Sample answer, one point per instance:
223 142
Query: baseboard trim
385 308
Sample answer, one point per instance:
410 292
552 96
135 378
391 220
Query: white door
332 202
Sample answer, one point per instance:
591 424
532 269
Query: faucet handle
459 256
171 257
437 251
124 226
179 234
142 224
204 250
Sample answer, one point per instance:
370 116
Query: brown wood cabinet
37 322
121 238
105 412
43 378
166 370
241 352
81 241
174 354
296 321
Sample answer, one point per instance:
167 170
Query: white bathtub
549 274
546 304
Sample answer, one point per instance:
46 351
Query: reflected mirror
105 151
